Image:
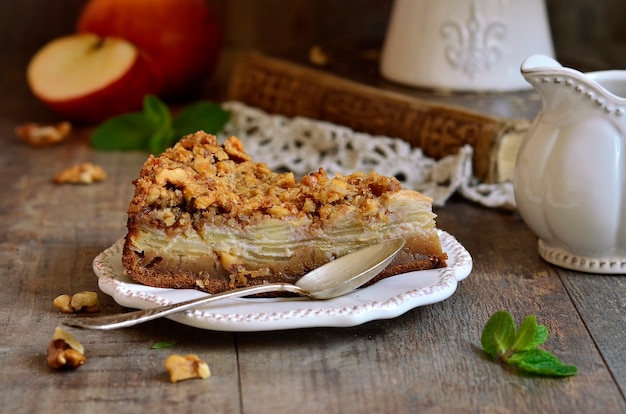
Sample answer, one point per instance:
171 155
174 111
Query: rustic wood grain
601 300
427 360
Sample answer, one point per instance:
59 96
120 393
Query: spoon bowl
333 279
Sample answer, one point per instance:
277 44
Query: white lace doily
302 145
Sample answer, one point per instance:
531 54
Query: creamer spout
539 62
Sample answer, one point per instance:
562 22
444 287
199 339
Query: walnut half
37 135
64 351
85 173
186 367
81 301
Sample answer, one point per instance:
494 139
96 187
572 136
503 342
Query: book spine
281 87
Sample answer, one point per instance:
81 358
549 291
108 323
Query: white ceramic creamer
570 174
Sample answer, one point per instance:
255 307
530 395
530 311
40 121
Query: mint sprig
163 344
518 347
154 129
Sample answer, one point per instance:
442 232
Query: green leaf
541 335
125 132
135 130
204 116
542 362
498 334
156 111
154 130
162 139
163 344
526 334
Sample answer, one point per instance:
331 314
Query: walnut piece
85 173
65 351
37 135
82 301
186 367
317 56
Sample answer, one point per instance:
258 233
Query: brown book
279 86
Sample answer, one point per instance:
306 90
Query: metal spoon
331 280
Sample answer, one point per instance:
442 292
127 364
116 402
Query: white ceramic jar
464 45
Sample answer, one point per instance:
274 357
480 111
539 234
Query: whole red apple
181 36
88 78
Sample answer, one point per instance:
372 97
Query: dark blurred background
587 34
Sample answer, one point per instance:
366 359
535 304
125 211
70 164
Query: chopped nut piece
37 135
64 351
85 173
63 302
186 367
86 300
317 56
82 301
60 333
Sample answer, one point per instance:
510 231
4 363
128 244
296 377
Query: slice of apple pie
206 216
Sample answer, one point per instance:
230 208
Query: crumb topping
200 176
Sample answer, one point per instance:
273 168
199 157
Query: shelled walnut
37 135
81 301
85 173
65 351
186 367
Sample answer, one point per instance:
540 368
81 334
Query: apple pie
206 216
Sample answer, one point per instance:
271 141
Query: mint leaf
200 116
163 344
500 340
135 130
541 335
125 132
154 130
525 337
541 362
162 139
156 111
498 334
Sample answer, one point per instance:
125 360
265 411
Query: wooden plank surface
427 360
601 301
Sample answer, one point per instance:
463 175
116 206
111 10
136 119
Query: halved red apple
182 37
89 78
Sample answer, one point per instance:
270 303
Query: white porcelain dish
385 299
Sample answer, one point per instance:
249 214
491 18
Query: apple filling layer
205 216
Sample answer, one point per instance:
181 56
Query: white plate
385 299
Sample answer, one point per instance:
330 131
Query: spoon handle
123 320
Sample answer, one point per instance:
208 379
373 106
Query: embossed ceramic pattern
464 45
385 299
570 173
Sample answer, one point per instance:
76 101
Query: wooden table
427 360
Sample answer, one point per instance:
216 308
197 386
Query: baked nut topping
64 351
37 135
252 191
186 367
82 301
85 173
